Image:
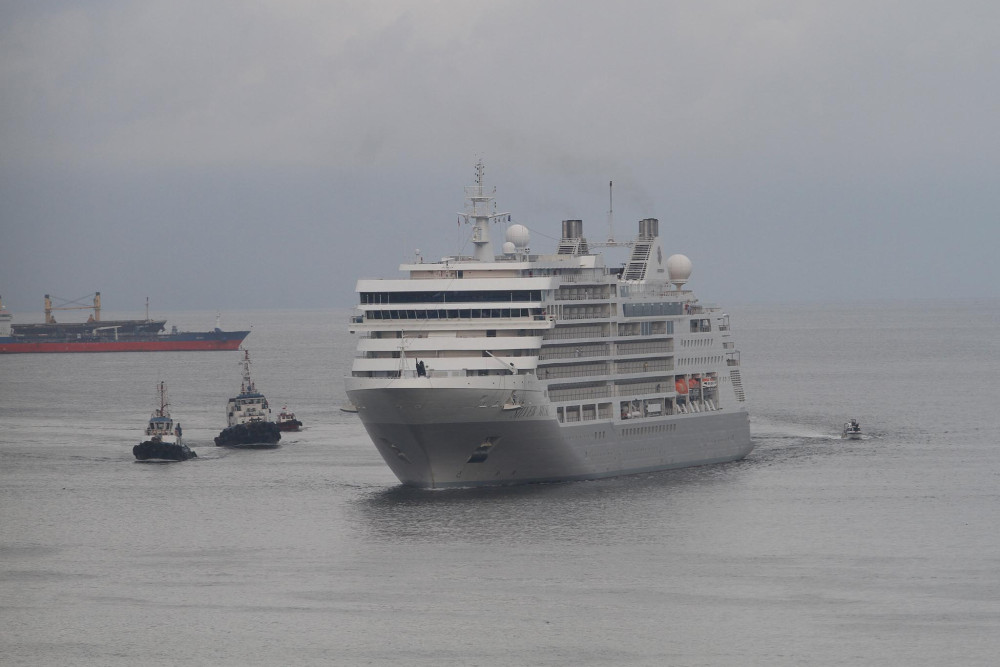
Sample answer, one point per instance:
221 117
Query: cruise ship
513 368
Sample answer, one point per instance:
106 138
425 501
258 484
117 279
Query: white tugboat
521 367
164 439
248 416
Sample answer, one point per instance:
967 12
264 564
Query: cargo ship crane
49 319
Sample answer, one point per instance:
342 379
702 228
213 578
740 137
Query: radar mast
480 209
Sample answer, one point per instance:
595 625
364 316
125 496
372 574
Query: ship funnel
572 229
572 241
649 228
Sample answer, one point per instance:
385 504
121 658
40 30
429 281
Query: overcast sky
238 155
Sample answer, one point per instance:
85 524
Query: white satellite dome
679 269
509 248
519 236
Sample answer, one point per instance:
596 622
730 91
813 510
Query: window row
651 309
483 296
454 314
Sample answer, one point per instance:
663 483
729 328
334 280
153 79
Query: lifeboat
681 386
694 383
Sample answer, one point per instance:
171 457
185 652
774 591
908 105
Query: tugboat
287 420
852 430
249 416
164 443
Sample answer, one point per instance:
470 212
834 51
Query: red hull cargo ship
96 335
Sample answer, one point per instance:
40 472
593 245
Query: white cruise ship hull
453 436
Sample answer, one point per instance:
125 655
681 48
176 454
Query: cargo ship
97 335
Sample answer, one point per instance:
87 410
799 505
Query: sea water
812 551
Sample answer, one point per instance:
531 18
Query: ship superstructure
249 406
521 367
161 425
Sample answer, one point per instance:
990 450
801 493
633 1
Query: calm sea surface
812 551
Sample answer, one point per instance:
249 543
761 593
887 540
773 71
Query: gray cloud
766 135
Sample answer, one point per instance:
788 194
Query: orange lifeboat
681 386
694 383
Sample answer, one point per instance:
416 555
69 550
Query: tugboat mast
247 386
162 390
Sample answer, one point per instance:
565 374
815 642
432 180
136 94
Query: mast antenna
611 212
480 208
611 243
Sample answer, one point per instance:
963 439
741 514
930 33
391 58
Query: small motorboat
287 420
164 437
852 430
513 403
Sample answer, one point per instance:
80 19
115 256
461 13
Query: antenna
611 243
480 208
611 212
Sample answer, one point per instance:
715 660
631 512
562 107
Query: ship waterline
521 367
162 343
